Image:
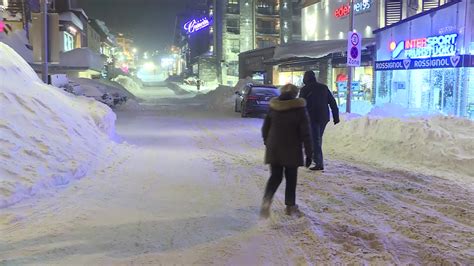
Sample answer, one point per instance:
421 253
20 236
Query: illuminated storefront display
194 25
442 45
428 68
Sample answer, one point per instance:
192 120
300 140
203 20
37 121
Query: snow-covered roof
314 49
82 58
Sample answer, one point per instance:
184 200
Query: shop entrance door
443 93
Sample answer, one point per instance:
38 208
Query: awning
314 49
71 17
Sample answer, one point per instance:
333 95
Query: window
68 42
234 46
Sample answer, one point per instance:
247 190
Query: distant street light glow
149 66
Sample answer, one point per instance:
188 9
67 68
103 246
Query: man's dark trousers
318 131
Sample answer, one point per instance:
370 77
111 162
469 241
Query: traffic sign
354 47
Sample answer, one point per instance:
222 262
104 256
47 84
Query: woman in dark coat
285 131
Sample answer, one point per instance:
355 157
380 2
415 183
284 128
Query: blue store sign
426 63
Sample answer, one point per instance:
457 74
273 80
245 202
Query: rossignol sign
426 63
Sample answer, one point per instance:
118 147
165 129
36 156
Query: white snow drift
128 83
439 145
48 137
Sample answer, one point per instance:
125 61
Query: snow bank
131 105
128 83
437 145
102 86
48 137
222 98
203 89
396 110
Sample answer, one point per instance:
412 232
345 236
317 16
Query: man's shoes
316 168
293 211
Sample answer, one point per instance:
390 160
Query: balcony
233 9
268 11
268 31
234 30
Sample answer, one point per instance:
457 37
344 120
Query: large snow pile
48 137
103 86
130 84
222 98
436 145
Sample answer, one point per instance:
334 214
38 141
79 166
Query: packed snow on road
179 180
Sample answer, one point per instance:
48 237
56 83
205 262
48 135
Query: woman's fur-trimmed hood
285 105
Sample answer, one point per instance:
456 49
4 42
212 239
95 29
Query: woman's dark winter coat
285 129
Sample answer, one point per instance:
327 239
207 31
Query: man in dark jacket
318 97
285 130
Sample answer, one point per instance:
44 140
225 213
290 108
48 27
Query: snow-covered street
186 189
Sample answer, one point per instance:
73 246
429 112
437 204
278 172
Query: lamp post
350 69
45 54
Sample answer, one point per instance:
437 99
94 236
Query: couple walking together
291 124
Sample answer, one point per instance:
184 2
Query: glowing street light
149 66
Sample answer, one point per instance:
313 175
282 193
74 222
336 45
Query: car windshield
264 91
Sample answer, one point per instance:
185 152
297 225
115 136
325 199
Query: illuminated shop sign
434 46
194 25
426 63
360 6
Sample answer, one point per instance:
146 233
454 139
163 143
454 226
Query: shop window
233 69
429 4
68 42
362 85
234 46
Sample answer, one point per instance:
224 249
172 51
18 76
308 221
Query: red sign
343 11
415 43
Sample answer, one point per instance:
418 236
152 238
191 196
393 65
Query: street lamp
44 10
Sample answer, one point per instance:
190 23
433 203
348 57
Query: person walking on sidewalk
285 131
318 97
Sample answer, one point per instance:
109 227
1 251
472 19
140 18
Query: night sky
150 23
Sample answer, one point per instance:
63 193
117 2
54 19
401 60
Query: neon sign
194 25
359 7
434 46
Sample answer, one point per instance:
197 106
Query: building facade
426 62
325 25
244 25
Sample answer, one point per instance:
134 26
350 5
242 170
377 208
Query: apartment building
243 25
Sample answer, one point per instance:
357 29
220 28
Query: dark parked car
254 99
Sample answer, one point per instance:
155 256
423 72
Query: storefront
426 62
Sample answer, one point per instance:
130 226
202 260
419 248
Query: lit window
68 42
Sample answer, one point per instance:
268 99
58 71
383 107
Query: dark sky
150 23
